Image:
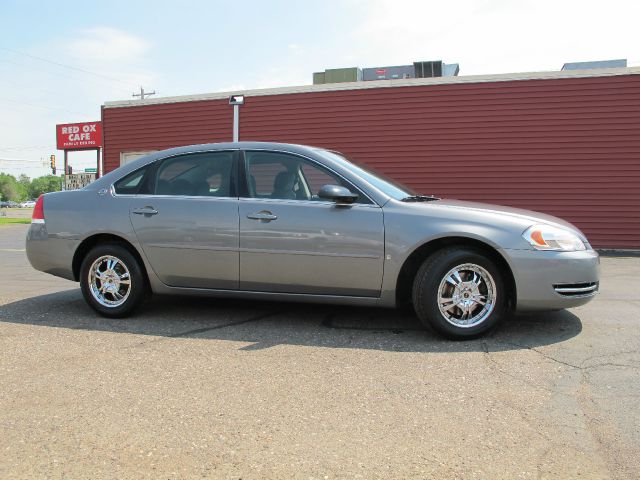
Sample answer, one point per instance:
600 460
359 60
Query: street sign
90 170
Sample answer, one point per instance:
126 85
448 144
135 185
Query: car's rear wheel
112 281
460 293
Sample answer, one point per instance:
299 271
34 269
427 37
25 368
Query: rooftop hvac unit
428 69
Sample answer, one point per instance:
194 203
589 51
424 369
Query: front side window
206 174
289 177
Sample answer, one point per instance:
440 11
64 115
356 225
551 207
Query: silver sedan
289 222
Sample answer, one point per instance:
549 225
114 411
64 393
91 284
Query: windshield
381 182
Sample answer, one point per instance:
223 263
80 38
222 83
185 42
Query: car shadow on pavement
266 324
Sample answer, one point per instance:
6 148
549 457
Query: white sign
78 180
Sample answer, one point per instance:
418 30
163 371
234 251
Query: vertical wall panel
566 146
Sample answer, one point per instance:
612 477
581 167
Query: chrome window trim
293 201
186 197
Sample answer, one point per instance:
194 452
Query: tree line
23 188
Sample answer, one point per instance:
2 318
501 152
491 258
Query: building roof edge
409 82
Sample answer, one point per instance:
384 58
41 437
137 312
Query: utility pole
143 94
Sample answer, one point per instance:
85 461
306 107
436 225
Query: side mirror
337 194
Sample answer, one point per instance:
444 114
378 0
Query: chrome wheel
467 295
109 281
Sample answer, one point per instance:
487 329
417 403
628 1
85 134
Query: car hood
523 218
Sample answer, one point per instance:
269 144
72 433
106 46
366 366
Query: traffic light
53 164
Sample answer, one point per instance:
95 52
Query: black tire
138 287
427 283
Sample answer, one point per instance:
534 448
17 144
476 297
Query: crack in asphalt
605 433
608 355
581 366
545 355
499 369
609 364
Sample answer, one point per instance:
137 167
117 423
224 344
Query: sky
60 61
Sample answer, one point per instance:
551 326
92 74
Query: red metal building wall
565 146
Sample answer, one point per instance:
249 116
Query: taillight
38 211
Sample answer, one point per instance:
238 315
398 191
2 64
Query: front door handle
264 215
145 211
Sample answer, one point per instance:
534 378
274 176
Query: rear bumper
50 254
554 280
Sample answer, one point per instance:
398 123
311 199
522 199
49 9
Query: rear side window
130 185
206 174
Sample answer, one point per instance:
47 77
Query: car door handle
145 211
264 215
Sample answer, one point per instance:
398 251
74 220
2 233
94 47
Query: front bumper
554 280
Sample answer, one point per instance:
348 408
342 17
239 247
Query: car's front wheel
460 293
112 281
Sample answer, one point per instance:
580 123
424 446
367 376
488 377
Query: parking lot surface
239 389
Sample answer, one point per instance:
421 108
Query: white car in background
28 204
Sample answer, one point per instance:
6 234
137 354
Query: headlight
546 237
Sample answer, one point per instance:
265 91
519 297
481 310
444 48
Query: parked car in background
28 204
9 204
289 222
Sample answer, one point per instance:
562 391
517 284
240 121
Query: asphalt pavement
192 388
